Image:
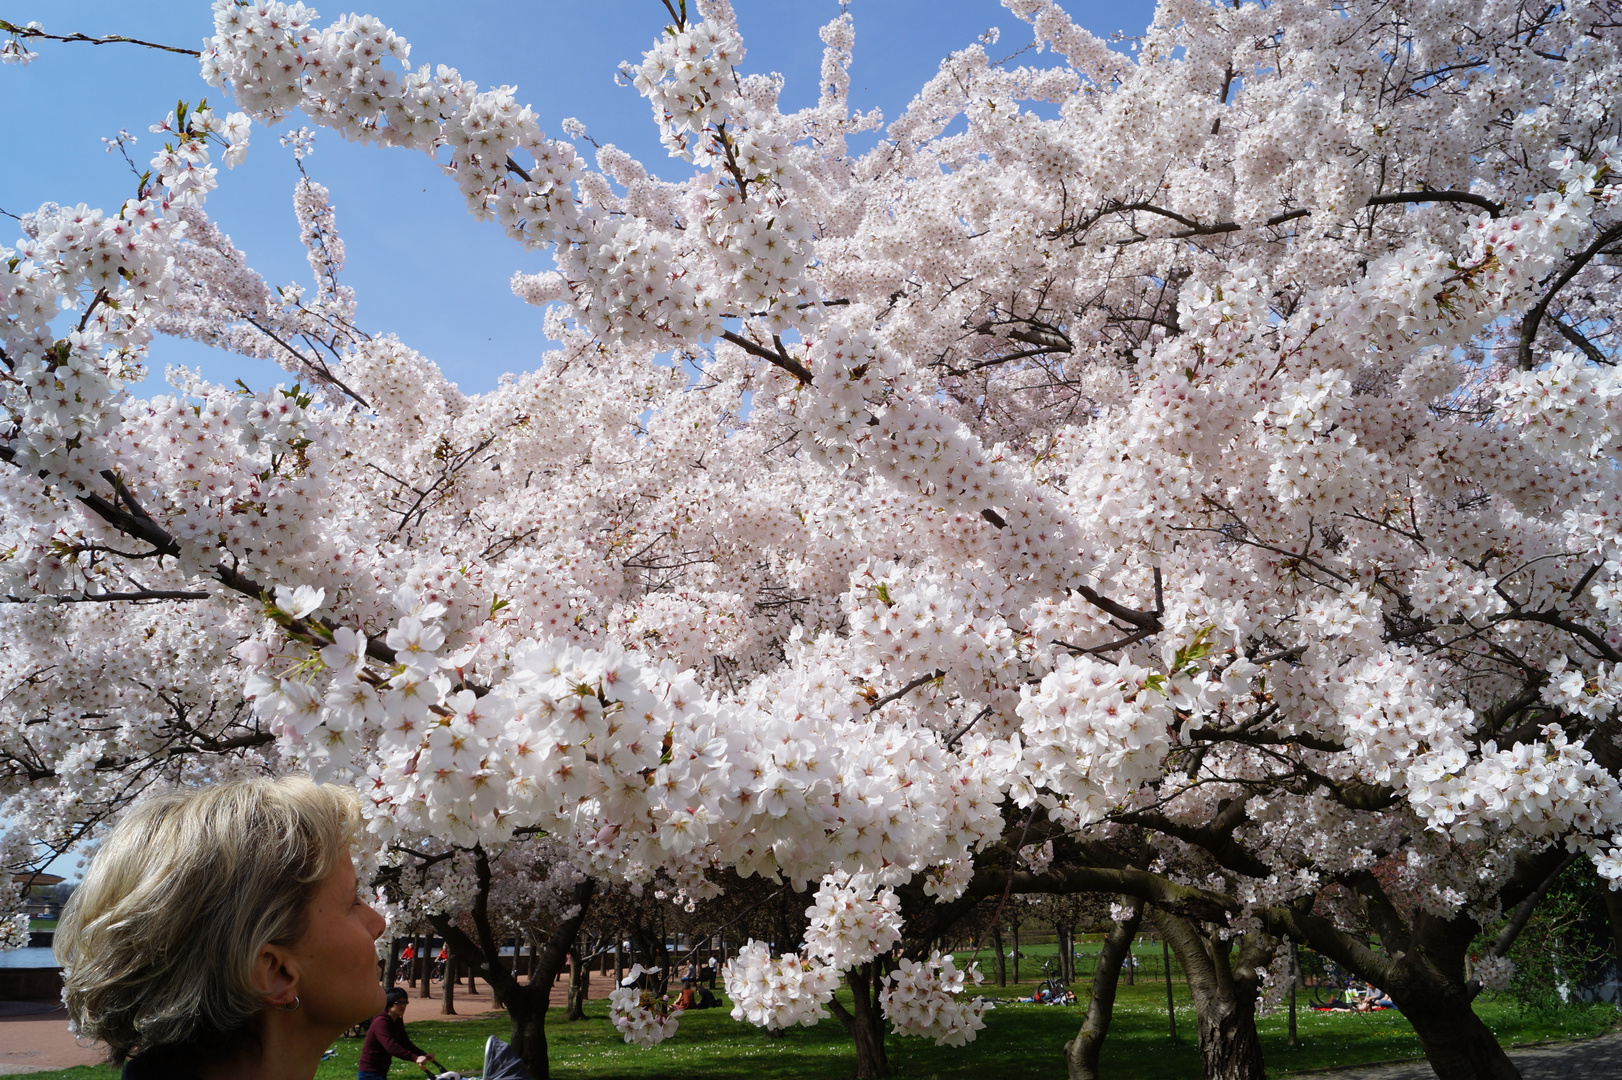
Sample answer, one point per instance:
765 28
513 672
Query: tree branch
780 358
109 39
1529 325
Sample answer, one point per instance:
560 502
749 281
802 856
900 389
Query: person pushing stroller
386 1040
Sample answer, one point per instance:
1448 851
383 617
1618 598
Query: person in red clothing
386 1040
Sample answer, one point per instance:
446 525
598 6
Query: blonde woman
220 933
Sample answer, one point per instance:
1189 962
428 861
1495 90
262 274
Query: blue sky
422 267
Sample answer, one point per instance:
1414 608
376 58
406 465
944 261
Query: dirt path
34 1036
1584 1059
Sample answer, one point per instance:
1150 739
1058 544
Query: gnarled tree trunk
865 1022
1081 1053
1224 990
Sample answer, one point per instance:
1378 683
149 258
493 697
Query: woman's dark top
386 1039
151 1067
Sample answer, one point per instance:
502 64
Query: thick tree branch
780 358
1534 317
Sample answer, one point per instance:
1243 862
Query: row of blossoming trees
1187 476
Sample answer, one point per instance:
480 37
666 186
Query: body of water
27 958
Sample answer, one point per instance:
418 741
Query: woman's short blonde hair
157 944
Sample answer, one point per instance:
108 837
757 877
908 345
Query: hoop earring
294 1006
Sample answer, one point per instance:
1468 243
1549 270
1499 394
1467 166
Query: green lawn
1019 1040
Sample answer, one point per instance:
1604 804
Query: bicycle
1052 989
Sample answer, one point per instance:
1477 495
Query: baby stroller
501 1062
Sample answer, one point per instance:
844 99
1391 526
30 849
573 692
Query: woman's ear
274 976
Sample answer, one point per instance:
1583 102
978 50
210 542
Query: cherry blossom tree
1200 456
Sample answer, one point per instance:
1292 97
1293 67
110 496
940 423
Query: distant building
41 897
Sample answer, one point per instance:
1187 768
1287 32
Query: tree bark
1224 993
1081 1053
1421 963
1295 981
1171 1004
391 966
425 967
1457 1044
579 981
865 1022
1002 961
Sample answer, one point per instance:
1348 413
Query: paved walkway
1584 1059
34 1036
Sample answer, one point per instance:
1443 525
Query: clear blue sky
422 267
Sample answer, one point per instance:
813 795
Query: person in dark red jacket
386 1040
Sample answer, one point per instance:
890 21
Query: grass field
1019 1040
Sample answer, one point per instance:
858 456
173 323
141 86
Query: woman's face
337 957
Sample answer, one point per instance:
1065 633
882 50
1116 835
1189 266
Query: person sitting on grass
1373 998
220 933
386 1040
689 994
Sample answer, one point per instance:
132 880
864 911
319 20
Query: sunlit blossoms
778 993
925 998
1208 446
641 1017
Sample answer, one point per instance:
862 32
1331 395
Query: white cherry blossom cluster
925 998
1567 406
850 921
688 77
14 933
1494 972
780 993
640 1017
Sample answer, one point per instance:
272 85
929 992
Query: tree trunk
1016 954
447 988
1002 961
391 966
526 1010
579 980
865 1022
1081 1053
1171 1004
526 1003
1421 963
1295 981
425 967
1457 1044
1224 995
